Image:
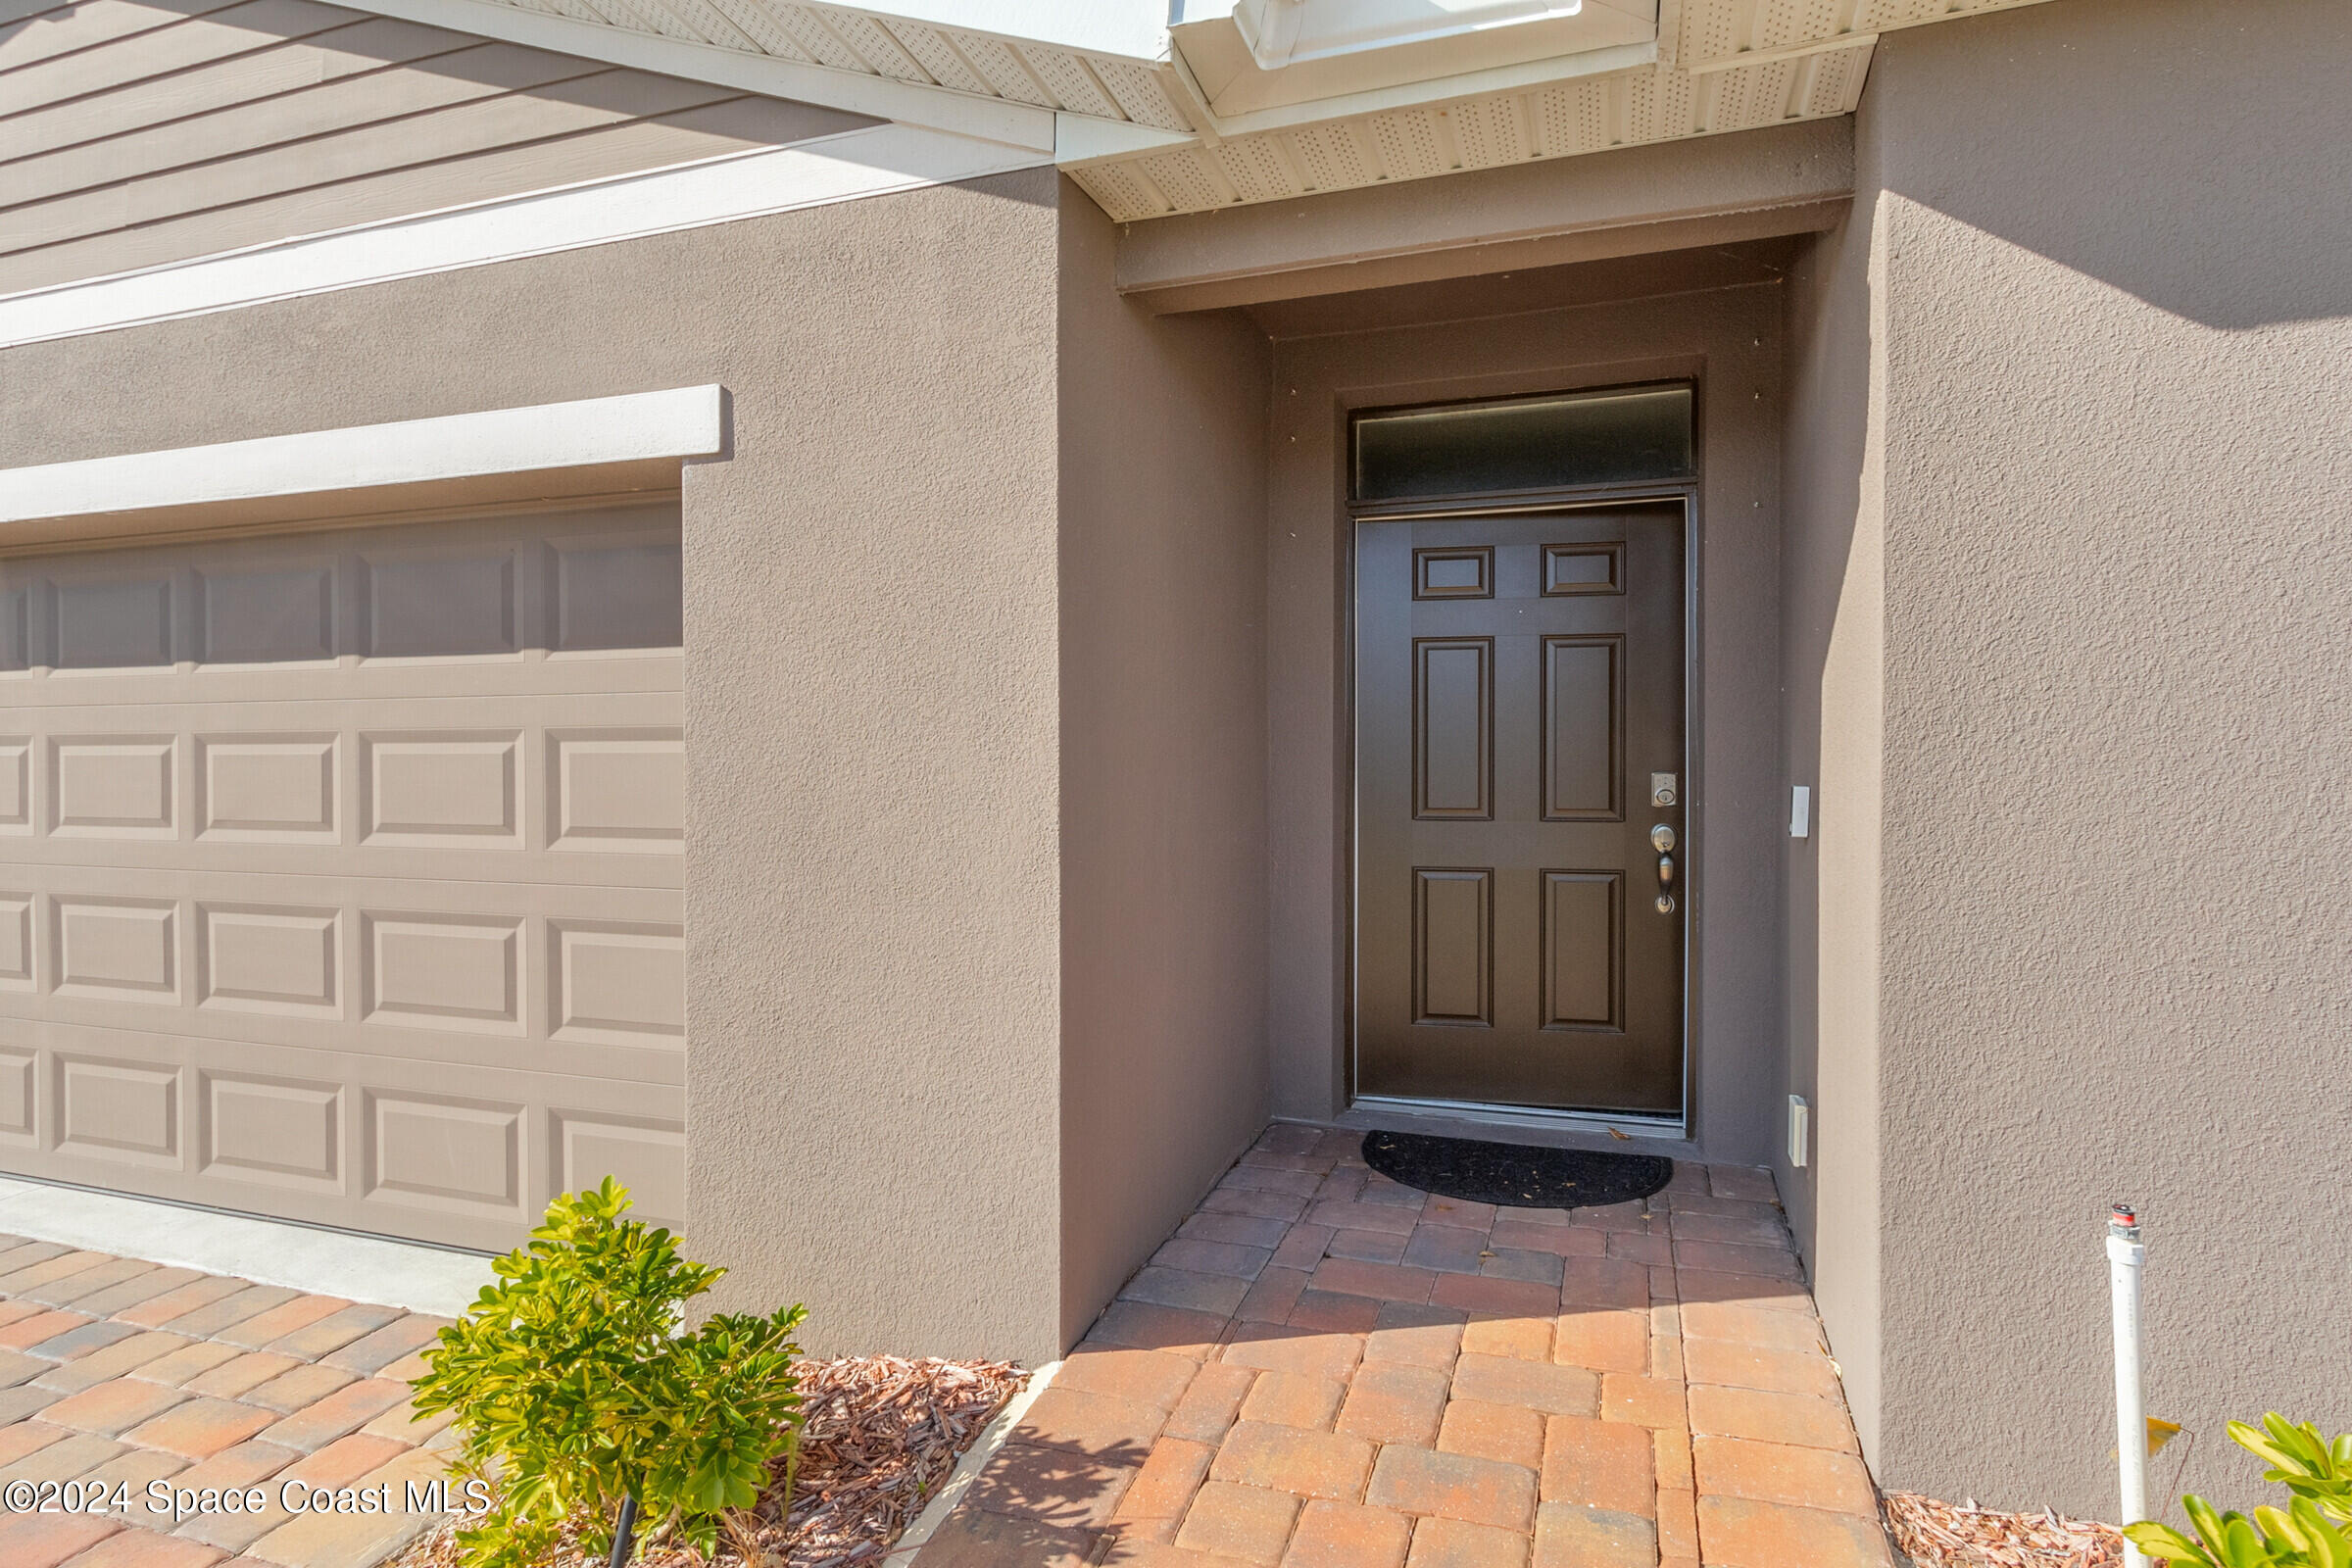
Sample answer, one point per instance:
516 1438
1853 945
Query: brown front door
1519 714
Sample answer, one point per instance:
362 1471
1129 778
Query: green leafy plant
2308 1533
574 1382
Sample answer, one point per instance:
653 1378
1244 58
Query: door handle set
1664 791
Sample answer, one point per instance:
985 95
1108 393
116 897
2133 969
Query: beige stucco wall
1164 783
2089 508
872 668
1831 657
1729 339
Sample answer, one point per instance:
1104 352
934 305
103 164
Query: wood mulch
883 1434
1948 1535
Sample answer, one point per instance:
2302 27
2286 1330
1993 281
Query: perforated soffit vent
1154 120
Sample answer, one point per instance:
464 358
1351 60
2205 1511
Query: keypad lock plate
1662 791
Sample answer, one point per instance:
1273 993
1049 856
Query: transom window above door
1624 435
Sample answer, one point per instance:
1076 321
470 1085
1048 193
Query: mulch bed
1949 1535
883 1434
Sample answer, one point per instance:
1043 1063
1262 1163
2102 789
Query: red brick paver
116 1373
1324 1370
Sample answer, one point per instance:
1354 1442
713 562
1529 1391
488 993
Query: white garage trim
304 1257
685 423
877 161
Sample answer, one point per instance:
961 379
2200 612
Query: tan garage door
339 871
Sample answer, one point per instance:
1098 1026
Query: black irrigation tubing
623 1530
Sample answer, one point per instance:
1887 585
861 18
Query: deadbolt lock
1661 838
1661 789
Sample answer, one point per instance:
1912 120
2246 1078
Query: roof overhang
1160 106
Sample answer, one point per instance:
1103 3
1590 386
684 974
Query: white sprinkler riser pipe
2124 1259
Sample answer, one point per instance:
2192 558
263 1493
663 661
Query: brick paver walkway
122 1373
1324 1370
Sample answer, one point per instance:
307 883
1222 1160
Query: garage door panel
446 789
17 952
636 1058
113 1110
363 800
263 787
567 1030
277 614
270 1138
647 1157
617 790
609 860
106 618
615 592
618 982
487 1071
112 786
421 894
430 603
269 957
275 1131
18 1100
442 972
115 950
15 781
16 628
463 589
340 873
444 1152
586 674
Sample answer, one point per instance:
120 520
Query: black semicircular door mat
1514 1175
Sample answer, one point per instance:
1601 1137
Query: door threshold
1560 1128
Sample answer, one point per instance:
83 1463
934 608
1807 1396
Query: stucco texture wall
2106 296
873 669
1163 881
1832 618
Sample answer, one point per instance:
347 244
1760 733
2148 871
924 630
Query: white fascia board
851 166
1081 139
997 120
686 423
1133 30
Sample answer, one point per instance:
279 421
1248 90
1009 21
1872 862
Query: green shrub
2307 1534
573 1380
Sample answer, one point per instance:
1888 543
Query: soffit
1135 130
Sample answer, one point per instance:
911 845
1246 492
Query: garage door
339 871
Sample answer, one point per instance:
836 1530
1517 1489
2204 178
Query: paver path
119 1372
1324 1370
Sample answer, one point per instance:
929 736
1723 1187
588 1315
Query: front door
1520 876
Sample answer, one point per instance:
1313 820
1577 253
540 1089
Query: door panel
1453 957
1454 728
1518 681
